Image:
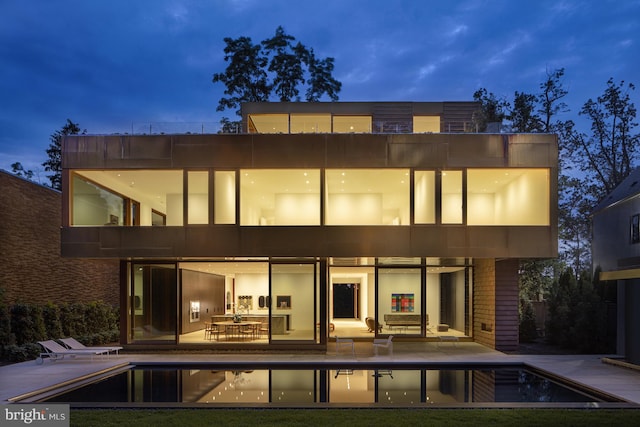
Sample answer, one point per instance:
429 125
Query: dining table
236 330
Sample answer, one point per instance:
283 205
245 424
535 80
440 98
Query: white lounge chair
73 344
383 343
55 351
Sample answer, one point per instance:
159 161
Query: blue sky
111 65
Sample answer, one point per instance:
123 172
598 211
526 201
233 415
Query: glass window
93 204
225 197
426 124
158 191
153 303
280 197
425 197
399 300
508 197
310 123
292 302
268 123
367 197
351 124
452 197
198 201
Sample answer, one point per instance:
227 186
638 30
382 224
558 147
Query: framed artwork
283 302
402 303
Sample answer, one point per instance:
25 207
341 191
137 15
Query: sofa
397 320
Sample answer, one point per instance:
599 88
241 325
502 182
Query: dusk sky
112 65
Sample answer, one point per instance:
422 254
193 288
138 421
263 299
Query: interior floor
344 328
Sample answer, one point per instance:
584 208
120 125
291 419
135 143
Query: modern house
314 218
615 250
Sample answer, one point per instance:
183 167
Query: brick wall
484 297
32 269
495 303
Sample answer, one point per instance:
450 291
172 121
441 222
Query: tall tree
54 152
551 103
278 66
492 109
608 154
523 116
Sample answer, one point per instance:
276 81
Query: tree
19 170
492 109
607 156
550 99
54 152
523 116
277 66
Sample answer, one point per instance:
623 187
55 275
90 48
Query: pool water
241 385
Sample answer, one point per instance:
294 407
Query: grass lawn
355 417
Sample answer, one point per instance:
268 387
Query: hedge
22 325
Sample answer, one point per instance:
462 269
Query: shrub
52 323
528 330
27 323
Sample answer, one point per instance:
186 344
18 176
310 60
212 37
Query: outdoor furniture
55 351
73 344
346 343
448 338
383 343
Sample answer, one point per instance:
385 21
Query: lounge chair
73 344
55 351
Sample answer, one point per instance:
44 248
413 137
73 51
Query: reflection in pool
334 385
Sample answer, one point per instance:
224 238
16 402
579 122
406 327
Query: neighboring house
32 269
615 250
318 216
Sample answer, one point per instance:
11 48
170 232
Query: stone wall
32 269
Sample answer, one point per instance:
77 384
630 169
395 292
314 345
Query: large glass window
351 124
452 197
425 197
98 193
399 300
92 204
268 123
280 197
367 197
508 196
310 123
225 197
426 124
198 197
292 302
153 302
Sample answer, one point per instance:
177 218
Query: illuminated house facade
314 218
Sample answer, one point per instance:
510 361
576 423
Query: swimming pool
333 385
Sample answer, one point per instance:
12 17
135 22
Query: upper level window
198 197
351 124
367 197
426 124
425 197
268 123
451 197
105 197
310 123
508 197
280 197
